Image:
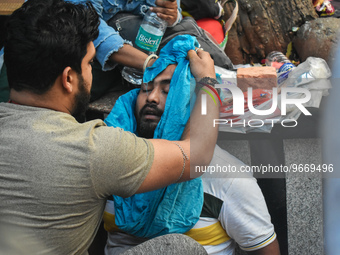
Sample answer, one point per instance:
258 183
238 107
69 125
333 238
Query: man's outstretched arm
198 140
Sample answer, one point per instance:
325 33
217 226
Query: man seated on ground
234 209
56 173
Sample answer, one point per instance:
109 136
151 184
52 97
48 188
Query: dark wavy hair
43 37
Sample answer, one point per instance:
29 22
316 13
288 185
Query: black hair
43 37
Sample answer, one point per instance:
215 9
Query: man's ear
69 79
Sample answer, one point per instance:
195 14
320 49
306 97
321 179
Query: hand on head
201 64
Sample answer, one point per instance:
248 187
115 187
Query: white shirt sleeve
244 215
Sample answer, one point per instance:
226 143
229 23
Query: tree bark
263 26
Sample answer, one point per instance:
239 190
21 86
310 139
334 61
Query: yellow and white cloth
234 211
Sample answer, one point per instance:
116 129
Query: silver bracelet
185 157
152 56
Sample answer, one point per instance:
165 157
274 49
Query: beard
81 100
146 127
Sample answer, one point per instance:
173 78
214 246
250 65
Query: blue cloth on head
176 208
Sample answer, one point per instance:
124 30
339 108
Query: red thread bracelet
214 90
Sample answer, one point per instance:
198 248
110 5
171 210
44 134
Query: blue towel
176 208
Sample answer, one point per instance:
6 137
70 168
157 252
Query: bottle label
147 41
284 72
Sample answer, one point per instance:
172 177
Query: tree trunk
263 26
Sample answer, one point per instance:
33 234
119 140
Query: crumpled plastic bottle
281 63
276 59
308 71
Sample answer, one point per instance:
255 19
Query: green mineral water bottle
150 32
149 37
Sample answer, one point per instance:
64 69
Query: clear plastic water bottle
150 32
281 63
276 59
148 40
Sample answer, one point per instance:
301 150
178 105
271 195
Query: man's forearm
203 134
129 56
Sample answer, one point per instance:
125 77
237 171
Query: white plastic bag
313 74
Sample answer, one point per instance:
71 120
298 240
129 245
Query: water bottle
150 32
283 72
281 63
276 59
148 39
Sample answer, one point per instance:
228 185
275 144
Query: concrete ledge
105 104
304 198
